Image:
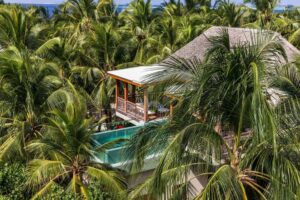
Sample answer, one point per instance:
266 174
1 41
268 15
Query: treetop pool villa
135 104
133 101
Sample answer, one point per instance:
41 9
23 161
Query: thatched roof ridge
198 47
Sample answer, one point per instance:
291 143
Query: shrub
12 182
13 186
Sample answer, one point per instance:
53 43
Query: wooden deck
136 111
130 109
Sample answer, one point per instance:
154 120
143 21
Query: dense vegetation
54 94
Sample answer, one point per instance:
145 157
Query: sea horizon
52 6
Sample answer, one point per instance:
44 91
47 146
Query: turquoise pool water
114 154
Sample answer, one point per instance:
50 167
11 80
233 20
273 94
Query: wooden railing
135 110
131 109
121 104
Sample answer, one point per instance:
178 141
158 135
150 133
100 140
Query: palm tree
174 31
26 83
78 10
288 79
293 19
224 128
105 41
231 14
107 10
264 7
75 18
141 44
64 52
193 4
232 91
138 14
174 7
65 153
21 29
103 52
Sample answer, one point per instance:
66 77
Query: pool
115 154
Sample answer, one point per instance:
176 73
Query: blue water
109 136
114 154
280 9
51 7
121 7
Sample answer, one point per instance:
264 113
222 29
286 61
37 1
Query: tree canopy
55 93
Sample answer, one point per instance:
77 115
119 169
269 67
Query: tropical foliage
55 93
230 132
64 153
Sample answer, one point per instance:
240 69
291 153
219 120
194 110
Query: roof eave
138 84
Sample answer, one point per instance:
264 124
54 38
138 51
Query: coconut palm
233 91
106 9
265 5
293 17
175 8
75 18
193 4
78 10
264 8
288 79
64 52
65 153
168 31
230 13
26 83
19 28
105 41
103 51
138 14
141 44
224 128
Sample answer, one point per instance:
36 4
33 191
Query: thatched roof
198 47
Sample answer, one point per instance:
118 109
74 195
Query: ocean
51 7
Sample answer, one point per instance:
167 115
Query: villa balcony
133 102
133 110
136 111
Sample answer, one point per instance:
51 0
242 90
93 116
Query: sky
283 2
